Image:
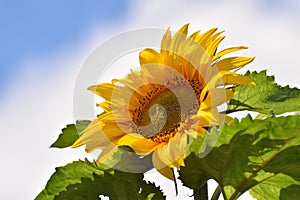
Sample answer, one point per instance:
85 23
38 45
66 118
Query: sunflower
173 97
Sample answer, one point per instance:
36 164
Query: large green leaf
265 97
70 134
86 181
260 153
117 186
69 175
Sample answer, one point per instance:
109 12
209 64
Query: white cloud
40 102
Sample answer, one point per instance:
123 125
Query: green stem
175 182
217 193
201 193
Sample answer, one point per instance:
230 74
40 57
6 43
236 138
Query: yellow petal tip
184 29
78 143
92 88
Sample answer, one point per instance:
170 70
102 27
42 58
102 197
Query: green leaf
117 186
85 180
70 134
124 159
265 97
68 175
283 187
260 153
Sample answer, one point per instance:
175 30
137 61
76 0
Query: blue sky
33 28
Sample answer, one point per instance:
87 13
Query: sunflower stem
175 182
201 193
217 193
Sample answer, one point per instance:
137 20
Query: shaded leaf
85 180
118 186
265 97
70 134
68 175
124 159
249 153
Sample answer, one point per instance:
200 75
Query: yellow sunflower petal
161 167
77 143
215 97
196 130
104 90
227 51
130 138
152 72
164 155
165 42
113 130
233 63
131 88
224 78
177 147
98 136
138 143
176 45
106 106
205 118
194 35
107 153
212 47
231 78
193 133
214 37
91 134
172 153
228 119
91 145
210 117
184 29
149 56
204 37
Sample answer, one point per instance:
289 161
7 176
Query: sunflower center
163 114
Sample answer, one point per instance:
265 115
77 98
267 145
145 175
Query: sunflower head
172 98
